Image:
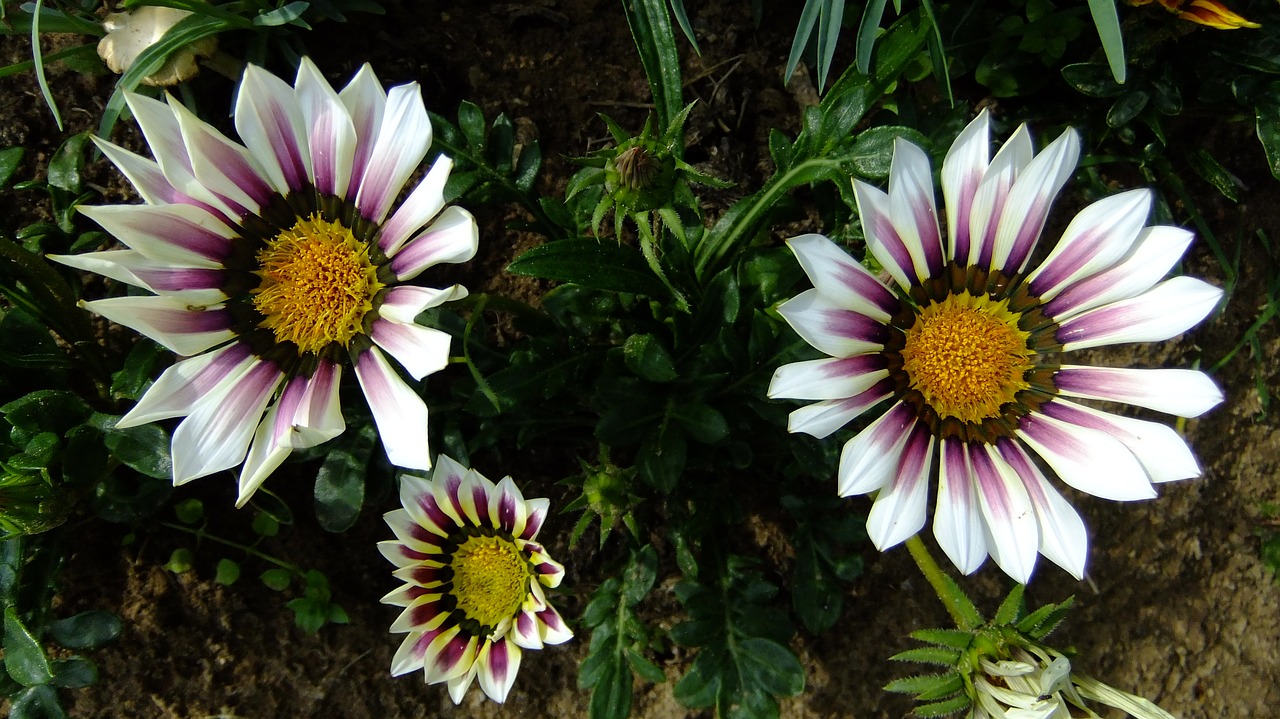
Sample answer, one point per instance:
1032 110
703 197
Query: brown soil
1177 607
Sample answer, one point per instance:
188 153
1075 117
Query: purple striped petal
271 124
178 234
841 279
405 302
1163 454
446 481
401 143
833 378
420 350
452 238
196 285
872 458
834 330
1027 207
450 655
409 656
822 418
957 520
1183 392
222 166
414 534
405 594
400 555
331 135
1152 256
164 137
962 171
993 192
537 513
168 320
318 417
1063 539
146 177
881 236
175 393
417 499
1087 459
1171 308
899 512
270 446
913 209
398 411
473 497
366 102
216 435
525 632
1012 531
554 630
1096 239
424 203
498 661
507 509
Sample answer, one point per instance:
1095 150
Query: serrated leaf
1011 607
929 655
944 708
953 638
923 683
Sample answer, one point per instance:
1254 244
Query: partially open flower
1209 13
132 31
474 576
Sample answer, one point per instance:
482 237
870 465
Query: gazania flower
131 32
474 576
274 264
964 348
1037 683
1209 13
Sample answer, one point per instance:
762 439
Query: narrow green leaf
1213 172
24 658
611 696
1126 107
828 34
1267 113
928 655
592 263
655 40
925 685
1011 607
804 31
1108 24
38 58
682 18
953 638
944 708
282 15
868 28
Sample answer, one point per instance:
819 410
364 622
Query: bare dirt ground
1177 606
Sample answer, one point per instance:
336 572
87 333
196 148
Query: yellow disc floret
317 284
967 357
490 579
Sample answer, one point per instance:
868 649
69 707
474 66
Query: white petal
180 386
1063 539
1008 516
404 303
871 459
266 454
899 512
180 234
842 279
957 519
1027 208
913 209
882 237
426 200
331 135
271 124
452 238
1171 308
399 413
1096 239
216 435
962 171
993 192
831 378
1155 252
833 329
822 418
498 664
226 168
401 143
318 418
420 350
366 102
169 321
1087 459
1183 392
147 178
194 285
1163 454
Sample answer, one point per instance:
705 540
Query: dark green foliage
619 640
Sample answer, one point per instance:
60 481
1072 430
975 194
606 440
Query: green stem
937 579
201 534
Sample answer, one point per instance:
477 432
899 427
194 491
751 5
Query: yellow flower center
490 579
967 357
317 284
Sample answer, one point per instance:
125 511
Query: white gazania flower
274 264
474 576
131 32
1043 687
965 346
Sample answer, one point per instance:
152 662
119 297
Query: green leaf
771 667
140 367
49 410
662 457
646 669
189 511
24 658
68 163
179 561
699 686
144 448
1011 607
611 695
1267 113
591 263
74 673
10 159
1126 107
37 702
703 423
471 122
282 15
308 614
925 684
953 638
228 572
944 708
640 575
1108 24
655 40
929 655
340 483
265 525
1092 79
648 358
872 151
86 630
277 579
